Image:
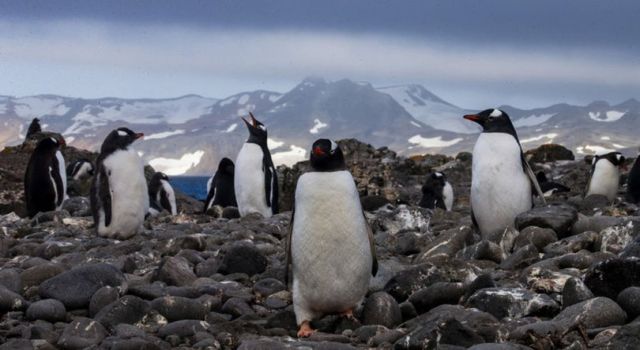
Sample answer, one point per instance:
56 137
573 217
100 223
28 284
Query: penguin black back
633 182
432 196
326 155
155 187
43 183
222 190
34 127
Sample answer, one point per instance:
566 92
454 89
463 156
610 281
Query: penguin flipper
270 183
474 221
210 195
287 252
372 247
104 192
532 178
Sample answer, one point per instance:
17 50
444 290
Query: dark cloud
611 25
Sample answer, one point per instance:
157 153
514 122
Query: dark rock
268 286
629 300
593 202
183 328
575 291
513 302
237 307
403 284
284 319
175 271
230 213
480 282
101 298
372 203
50 310
35 275
10 301
499 346
626 338
179 308
77 206
549 153
483 250
436 294
610 277
74 288
129 309
381 309
82 333
593 313
407 243
558 217
522 257
10 278
447 244
243 257
208 267
538 236
17 344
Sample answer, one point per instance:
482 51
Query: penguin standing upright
119 198
34 127
220 189
633 182
330 245
161 195
605 175
437 192
63 171
501 179
255 177
43 186
80 169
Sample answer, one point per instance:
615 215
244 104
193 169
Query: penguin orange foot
305 330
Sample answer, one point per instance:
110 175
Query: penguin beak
62 142
139 135
254 121
474 118
318 152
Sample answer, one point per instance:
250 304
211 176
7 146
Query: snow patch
534 119
165 134
416 124
227 101
273 144
177 166
433 141
591 149
609 116
274 98
317 125
550 136
605 138
69 139
231 127
32 107
292 156
243 99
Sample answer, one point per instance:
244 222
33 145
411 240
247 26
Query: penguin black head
226 166
326 155
616 158
493 120
160 176
257 130
436 180
541 177
119 138
49 144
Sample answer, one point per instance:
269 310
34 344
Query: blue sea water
193 186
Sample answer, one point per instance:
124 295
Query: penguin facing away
34 127
330 246
633 182
605 175
220 189
549 188
80 169
43 186
255 177
119 198
501 179
161 195
437 192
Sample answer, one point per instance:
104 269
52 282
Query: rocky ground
567 278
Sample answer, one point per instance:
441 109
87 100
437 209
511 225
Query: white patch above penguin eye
54 140
262 127
495 113
618 156
122 133
334 146
438 174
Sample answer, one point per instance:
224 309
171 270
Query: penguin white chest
63 174
129 197
447 196
249 181
605 180
330 251
500 189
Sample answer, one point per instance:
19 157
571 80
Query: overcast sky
472 53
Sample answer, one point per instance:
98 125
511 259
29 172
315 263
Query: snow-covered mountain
190 134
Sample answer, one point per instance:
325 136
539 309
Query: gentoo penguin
437 192
501 179
255 178
62 170
119 198
605 175
633 182
80 169
220 190
34 127
43 186
549 187
161 195
330 245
